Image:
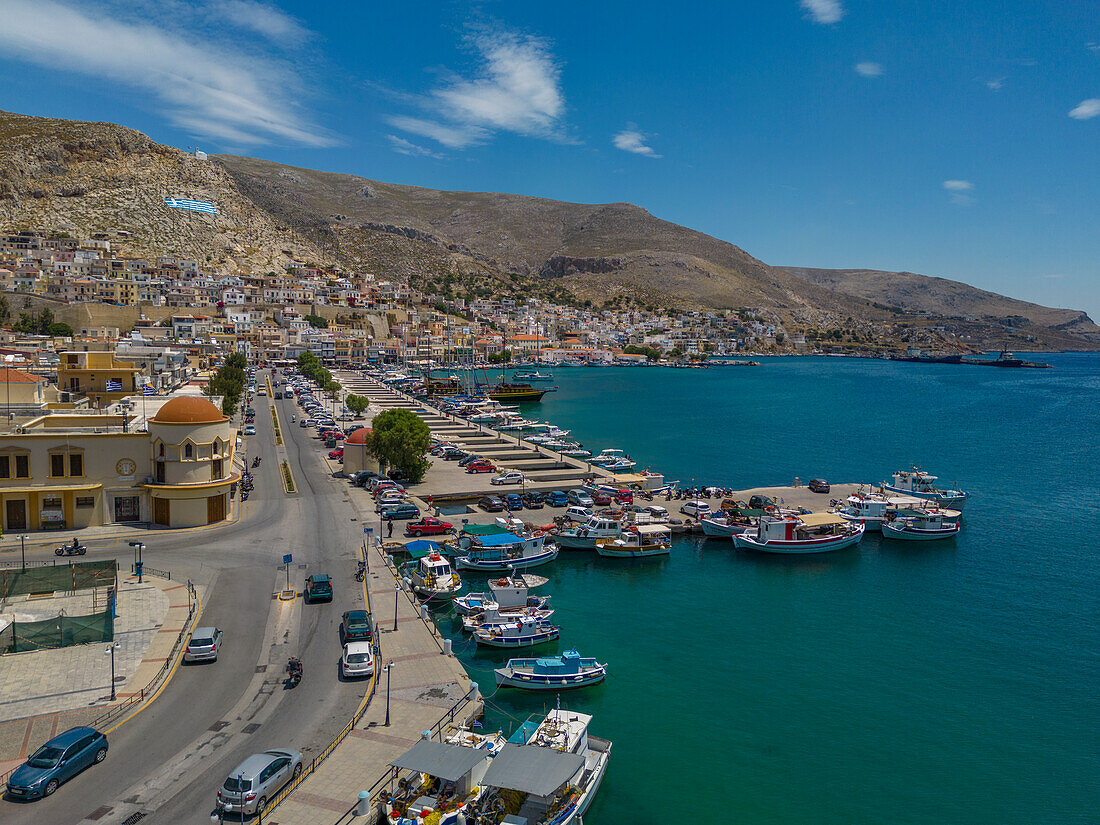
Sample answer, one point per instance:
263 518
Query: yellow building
87 373
75 471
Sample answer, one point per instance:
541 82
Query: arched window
188 450
160 452
218 444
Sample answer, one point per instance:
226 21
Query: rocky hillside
82 178
951 299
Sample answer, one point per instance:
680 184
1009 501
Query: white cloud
960 191
206 86
407 147
272 23
517 90
996 84
631 140
1093 47
868 69
823 11
1086 109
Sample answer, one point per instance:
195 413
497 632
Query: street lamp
110 651
396 593
23 551
138 565
387 670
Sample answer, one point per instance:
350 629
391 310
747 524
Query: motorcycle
256 461
70 550
294 669
361 572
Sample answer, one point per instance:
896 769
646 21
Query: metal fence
60 631
79 575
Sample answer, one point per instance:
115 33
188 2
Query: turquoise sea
948 682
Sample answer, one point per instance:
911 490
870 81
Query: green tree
57 329
675 352
401 439
237 360
357 403
316 321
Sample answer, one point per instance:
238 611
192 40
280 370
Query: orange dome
188 409
358 437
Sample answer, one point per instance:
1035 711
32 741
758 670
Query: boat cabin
796 528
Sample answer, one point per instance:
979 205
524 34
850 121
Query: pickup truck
428 527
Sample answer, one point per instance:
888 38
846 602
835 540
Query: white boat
638 542
492 617
871 509
553 767
444 784
527 375
502 552
729 522
585 536
526 631
432 577
922 485
921 525
807 533
610 456
506 594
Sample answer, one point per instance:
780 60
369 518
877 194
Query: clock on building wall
126 467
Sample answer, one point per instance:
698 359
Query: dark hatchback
819 485
491 504
356 626
59 760
556 498
318 588
513 502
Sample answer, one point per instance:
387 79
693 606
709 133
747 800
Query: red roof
13 376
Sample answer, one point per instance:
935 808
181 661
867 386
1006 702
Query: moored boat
527 631
491 618
806 533
585 536
921 525
920 484
502 552
570 670
508 594
432 577
445 783
638 541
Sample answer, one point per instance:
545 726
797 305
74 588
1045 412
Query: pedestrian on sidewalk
389 530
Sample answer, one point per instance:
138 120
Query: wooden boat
509 594
492 618
920 484
516 392
921 525
431 577
638 541
503 552
527 631
806 533
563 672
445 783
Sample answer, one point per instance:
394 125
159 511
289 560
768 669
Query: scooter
70 550
294 669
361 572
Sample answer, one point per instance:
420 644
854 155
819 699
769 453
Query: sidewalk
59 689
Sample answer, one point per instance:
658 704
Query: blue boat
563 672
502 552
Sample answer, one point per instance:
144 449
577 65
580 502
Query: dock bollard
446 647
473 691
424 612
362 807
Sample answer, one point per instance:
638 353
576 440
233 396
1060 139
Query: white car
358 659
578 513
509 477
698 509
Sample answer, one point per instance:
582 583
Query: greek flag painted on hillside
114 386
194 206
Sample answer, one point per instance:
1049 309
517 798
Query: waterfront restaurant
70 471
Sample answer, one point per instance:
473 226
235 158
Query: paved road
169 759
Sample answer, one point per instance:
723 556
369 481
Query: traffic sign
287 558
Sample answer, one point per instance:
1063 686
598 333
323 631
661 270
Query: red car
337 453
600 498
335 434
480 466
624 496
427 527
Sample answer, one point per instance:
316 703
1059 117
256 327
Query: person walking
389 530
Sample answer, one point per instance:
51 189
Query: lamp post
396 593
138 564
111 648
23 551
387 669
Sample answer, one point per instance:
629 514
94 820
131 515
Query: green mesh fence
48 579
60 631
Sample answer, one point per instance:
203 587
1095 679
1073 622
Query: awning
499 540
531 769
651 529
483 529
420 549
820 519
449 762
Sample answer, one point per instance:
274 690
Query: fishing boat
431 576
492 617
507 594
638 541
516 392
527 631
547 773
502 552
445 784
532 375
806 533
873 508
609 457
570 670
921 525
920 484
729 522
585 536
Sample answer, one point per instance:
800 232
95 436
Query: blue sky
957 139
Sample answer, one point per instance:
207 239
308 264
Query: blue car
556 498
59 760
512 501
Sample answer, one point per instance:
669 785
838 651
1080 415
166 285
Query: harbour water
942 682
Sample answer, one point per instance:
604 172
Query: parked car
428 526
57 761
578 513
204 644
356 626
532 500
508 477
360 478
468 459
249 429
303 423
337 453
357 660
453 454
624 496
819 485
400 512
556 498
580 498
760 503
482 465
696 509
512 501
252 784
600 498
490 504
318 588
656 511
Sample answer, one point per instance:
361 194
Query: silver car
257 780
204 645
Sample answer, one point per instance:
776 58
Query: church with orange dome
68 471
